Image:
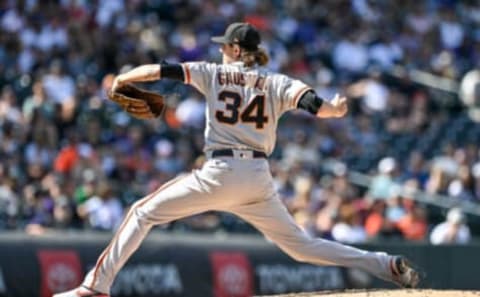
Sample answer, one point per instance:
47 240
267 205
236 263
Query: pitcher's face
230 53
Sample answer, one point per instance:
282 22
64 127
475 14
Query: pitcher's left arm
322 108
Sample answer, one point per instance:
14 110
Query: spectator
443 170
462 187
102 211
37 101
452 231
349 227
350 54
413 225
451 31
376 224
301 201
372 91
420 19
395 211
53 60
9 110
12 20
416 170
68 156
59 86
39 210
9 202
382 183
190 112
386 52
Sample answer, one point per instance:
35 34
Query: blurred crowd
71 159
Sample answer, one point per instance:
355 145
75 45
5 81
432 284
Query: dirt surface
387 293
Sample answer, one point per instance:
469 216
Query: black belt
229 153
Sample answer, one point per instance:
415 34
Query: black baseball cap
243 34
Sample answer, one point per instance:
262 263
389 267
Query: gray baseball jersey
243 108
243 104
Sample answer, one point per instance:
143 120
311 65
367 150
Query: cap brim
219 39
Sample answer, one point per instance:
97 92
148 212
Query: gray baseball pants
239 185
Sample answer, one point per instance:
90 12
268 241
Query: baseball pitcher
244 103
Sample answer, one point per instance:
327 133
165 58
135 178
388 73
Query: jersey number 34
254 112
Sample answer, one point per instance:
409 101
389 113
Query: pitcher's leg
272 218
178 198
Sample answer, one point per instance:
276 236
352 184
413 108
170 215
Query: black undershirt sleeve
172 71
310 102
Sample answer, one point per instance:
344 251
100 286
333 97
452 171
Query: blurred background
404 166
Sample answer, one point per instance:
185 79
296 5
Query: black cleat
404 273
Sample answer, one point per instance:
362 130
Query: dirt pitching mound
387 293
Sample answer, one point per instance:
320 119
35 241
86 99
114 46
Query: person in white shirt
452 231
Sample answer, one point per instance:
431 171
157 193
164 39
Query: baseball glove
139 103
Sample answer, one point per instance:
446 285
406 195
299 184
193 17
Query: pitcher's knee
299 256
300 251
139 214
148 215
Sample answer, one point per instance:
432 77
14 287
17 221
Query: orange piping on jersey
122 226
186 71
299 95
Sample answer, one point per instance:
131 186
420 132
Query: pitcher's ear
237 50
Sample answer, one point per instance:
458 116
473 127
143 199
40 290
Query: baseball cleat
81 291
403 272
